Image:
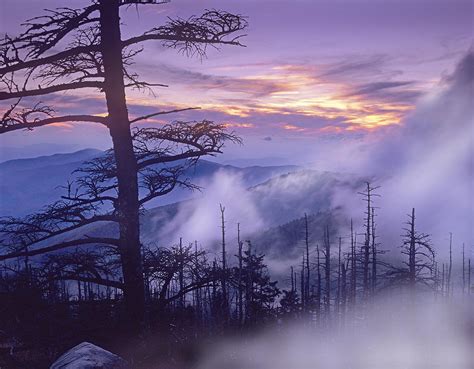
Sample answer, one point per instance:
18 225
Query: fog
427 163
394 335
200 219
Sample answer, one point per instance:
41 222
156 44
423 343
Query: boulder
89 356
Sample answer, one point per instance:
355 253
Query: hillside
28 184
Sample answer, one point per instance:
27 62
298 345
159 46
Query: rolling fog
394 335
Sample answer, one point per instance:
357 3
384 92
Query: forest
195 292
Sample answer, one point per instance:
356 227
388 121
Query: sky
311 74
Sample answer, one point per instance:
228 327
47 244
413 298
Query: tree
224 265
307 283
181 264
319 282
368 196
93 55
419 267
450 269
327 269
240 288
260 290
353 260
290 304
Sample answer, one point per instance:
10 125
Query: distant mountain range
26 185
271 205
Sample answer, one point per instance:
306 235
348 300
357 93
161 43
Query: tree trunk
374 253
307 284
412 253
450 291
353 286
240 303
338 296
327 270
119 126
225 300
367 243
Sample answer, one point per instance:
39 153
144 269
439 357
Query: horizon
357 84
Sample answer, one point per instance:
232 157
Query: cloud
387 91
427 163
199 219
357 67
360 92
253 87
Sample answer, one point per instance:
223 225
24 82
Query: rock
89 356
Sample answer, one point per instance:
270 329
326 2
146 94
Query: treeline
192 292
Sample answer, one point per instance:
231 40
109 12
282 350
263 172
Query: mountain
268 202
8 152
26 185
280 201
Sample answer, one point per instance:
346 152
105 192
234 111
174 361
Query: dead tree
318 287
327 269
417 247
303 283
225 299
343 290
338 296
70 49
188 269
469 277
463 271
307 284
368 196
240 281
450 267
374 252
353 261
182 300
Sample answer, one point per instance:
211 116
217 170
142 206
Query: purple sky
312 71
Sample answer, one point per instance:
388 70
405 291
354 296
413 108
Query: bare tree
327 269
469 276
306 239
450 268
94 55
318 286
353 261
463 271
240 275
339 276
421 257
225 299
368 196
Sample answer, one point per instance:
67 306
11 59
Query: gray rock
89 356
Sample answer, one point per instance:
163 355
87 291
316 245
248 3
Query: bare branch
193 35
60 246
50 89
145 117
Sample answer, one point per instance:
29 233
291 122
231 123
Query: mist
394 334
200 219
426 162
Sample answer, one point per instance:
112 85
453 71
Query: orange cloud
67 126
298 91
291 127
